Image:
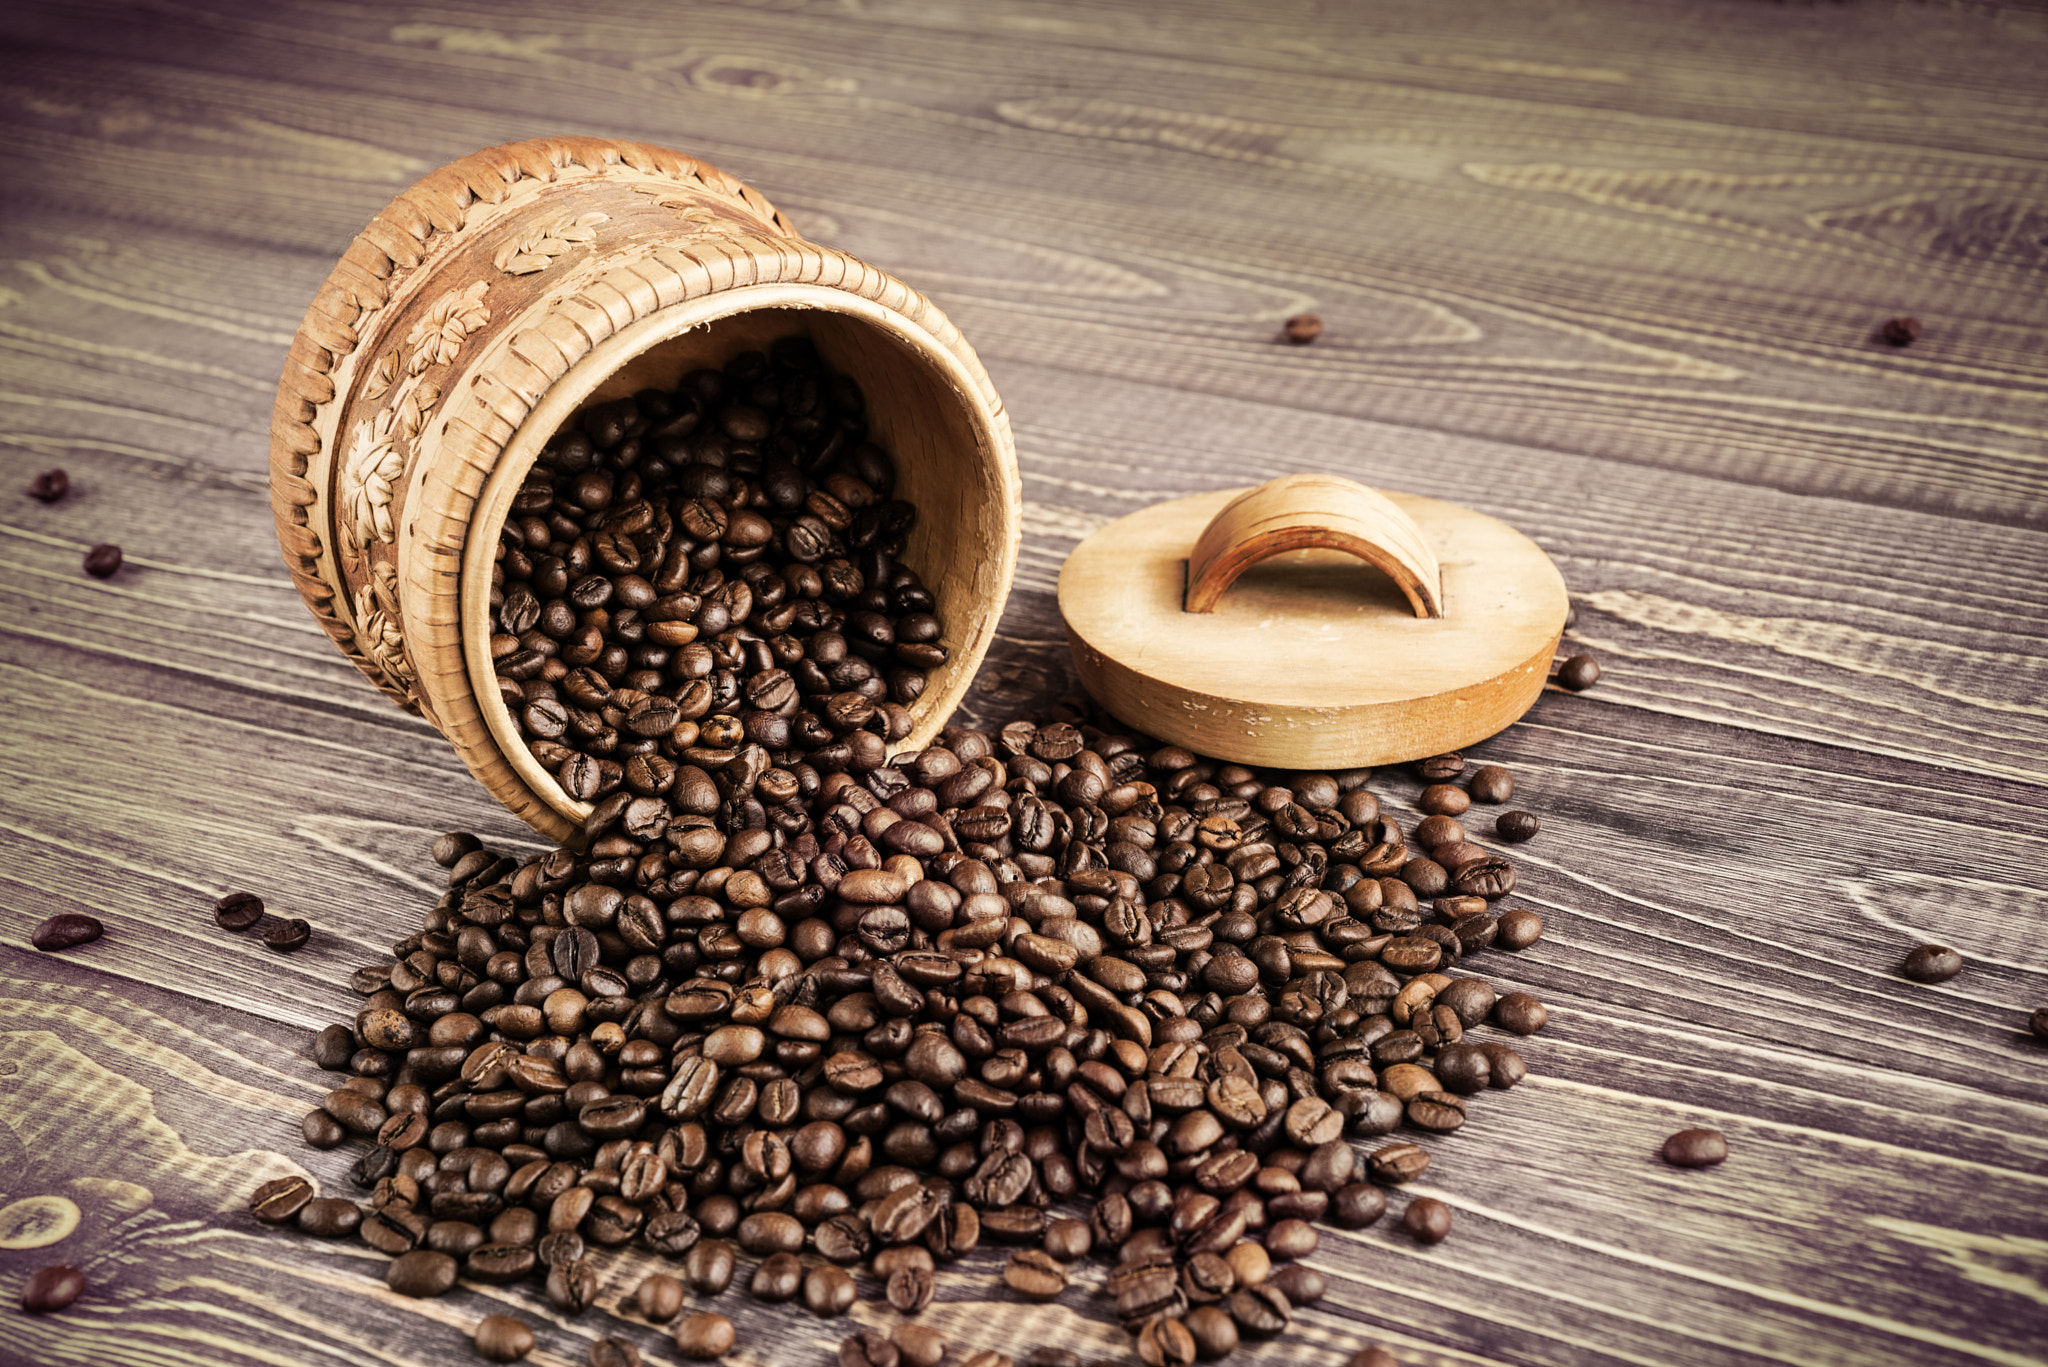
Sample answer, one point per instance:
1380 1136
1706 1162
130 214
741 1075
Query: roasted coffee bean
67 930
280 1200
1213 1331
2038 1022
501 1338
330 1217
704 1336
422 1272
1516 826
1165 1342
1372 1357
1427 1220
1261 1311
1578 673
828 1291
1302 329
778 1278
613 1352
869 1348
1899 332
103 561
1301 1285
919 1345
659 1297
1519 1012
708 1267
1397 1163
49 486
1695 1148
1490 783
51 1289
1932 964
909 1289
1068 1240
1356 1205
1437 1112
1035 1275
571 1286
1290 1239
286 936
238 911
1518 929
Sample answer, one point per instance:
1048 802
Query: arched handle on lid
1302 512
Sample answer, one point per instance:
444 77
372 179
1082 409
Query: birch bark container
498 296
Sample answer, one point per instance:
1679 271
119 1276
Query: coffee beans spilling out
1055 989
698 596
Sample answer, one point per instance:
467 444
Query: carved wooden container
502 293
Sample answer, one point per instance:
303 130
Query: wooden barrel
498 296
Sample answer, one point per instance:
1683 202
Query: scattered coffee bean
67 930
1165 1342
1397 1163
1516 826
278 1201
919 1345
49 486
330 1217
238 911
421 1272
1518 929
828 1290
1900 331
1579 673
1035 1275
1427 1220
1932 964
708 1267
613 1352
1301 1284
286 936
103 561
1214 1332
1695 1148
501 1338
1357 1205
2038 1022
659 1297
51 1289
869 1348
1372 1357
704 1336
1491 783
1302 328
1521 1013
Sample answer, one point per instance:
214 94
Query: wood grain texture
1609 273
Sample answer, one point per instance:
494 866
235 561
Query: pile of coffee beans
698 588
1054 989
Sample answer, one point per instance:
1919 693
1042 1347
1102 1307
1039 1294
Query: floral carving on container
378 382
369 477
438 336
538 249
378 630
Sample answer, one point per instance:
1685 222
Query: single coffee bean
1165 1342
421 1272
238 911
919 1345
321 1130
1579 673
279 1200
613 1352
1437 1112
1427 1220
103 561
1261 1311
1899 331
2038 1022
1397 1163
704 1336
1516 826
286 936
1035 1274
1490 783
1068 1240
909 1289
659 1297
1291 1239
51 1289
1372 1357
708 1267
1518 929
871 1348
1357 1205
1444 799
1300 1284
828 1291
1932 964
1441 768
1695 1148
1214 1332
1520 1013
1302 328
67 930
501 1338
49 486
330 1217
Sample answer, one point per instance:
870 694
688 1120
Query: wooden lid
1242 624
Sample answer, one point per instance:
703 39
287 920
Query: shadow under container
489 303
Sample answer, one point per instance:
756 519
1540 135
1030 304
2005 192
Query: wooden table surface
1611 272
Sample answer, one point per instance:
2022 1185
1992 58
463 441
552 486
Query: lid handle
1300 512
